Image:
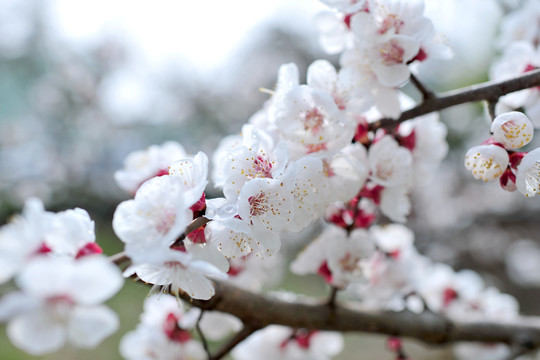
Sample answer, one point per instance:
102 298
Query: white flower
346 172
23 237
486 162
259 159
279 342
193 174
310 122
348 96
266 204
66 306
513 130
180 271
310 192
236 238
142 165
217 325
155 217
528 174
520 25
335 255
334 34
390 164
163 332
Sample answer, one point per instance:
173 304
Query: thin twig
235 340
201 335
479 92
491 108
332 298
426 93
119 258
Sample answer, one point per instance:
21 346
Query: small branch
491 108
426 93
201 335
486 91
428 327
235 340
119 258
195 224
331 302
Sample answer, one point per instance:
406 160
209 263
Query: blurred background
83 84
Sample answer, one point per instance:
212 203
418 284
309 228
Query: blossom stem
491 108
201 335
235 340
480 92
332 298
426 93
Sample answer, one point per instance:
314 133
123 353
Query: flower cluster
151 226
62 281
496 158
378 39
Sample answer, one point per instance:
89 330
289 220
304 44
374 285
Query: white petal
89 326
37 332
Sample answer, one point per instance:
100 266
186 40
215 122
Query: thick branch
490 91
428 327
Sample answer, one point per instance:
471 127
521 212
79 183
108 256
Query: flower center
391 53
259 204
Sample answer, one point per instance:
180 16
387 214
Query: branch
489 91
427 327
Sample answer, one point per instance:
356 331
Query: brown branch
427 327
489 91
426 93
201 335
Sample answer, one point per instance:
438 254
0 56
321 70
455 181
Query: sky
202 33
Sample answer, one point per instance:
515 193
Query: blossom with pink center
69 233
336 255
486 162
163 333
309 121
256 157
154 218
279 342
449 292
513 130
266 204
61 300
142 165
